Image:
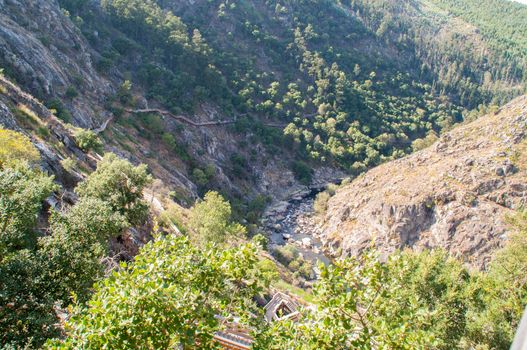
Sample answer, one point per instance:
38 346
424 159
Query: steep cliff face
48 55
454 195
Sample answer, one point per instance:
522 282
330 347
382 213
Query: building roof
280 307
237 337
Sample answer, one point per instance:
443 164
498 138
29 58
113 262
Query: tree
27 314
40 272
413 301
302 172
169 297
22 191
120 184
78 242
210 220
26 308
495 317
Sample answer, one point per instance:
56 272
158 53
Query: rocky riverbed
294 222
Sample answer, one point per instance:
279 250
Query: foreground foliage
171 296
413 301
210 221
40 269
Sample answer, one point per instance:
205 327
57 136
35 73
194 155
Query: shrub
321 203
119 183
210 220
261 240
78 242
286 254
15 147
87 140
239 165
269 270
69 164
199 177
28 112
71 92
60 111
302 172
423 143
331 189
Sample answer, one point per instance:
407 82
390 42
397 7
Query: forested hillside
351 82
144 144
506 36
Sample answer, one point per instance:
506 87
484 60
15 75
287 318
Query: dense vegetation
169 297
174 292
39 272
415 300
353 82
350 82
508 36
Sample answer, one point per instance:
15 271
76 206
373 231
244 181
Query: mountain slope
456 194
313 86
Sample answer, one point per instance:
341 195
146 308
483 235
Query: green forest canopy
354 81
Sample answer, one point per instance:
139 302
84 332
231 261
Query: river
294 222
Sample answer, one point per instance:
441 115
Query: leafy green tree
26 308
22 191
27 315
120 184
210 220
77 244
415 300
39 272
125 92
502 292
169 297
302 172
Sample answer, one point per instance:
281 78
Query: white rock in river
286 236
306 242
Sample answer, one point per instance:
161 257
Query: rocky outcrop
47 54
454 195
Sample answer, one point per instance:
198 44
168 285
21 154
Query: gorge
170 171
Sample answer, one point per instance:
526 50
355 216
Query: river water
294 222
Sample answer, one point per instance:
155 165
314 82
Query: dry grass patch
27 112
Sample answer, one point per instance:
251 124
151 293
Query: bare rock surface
454 195
47 54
